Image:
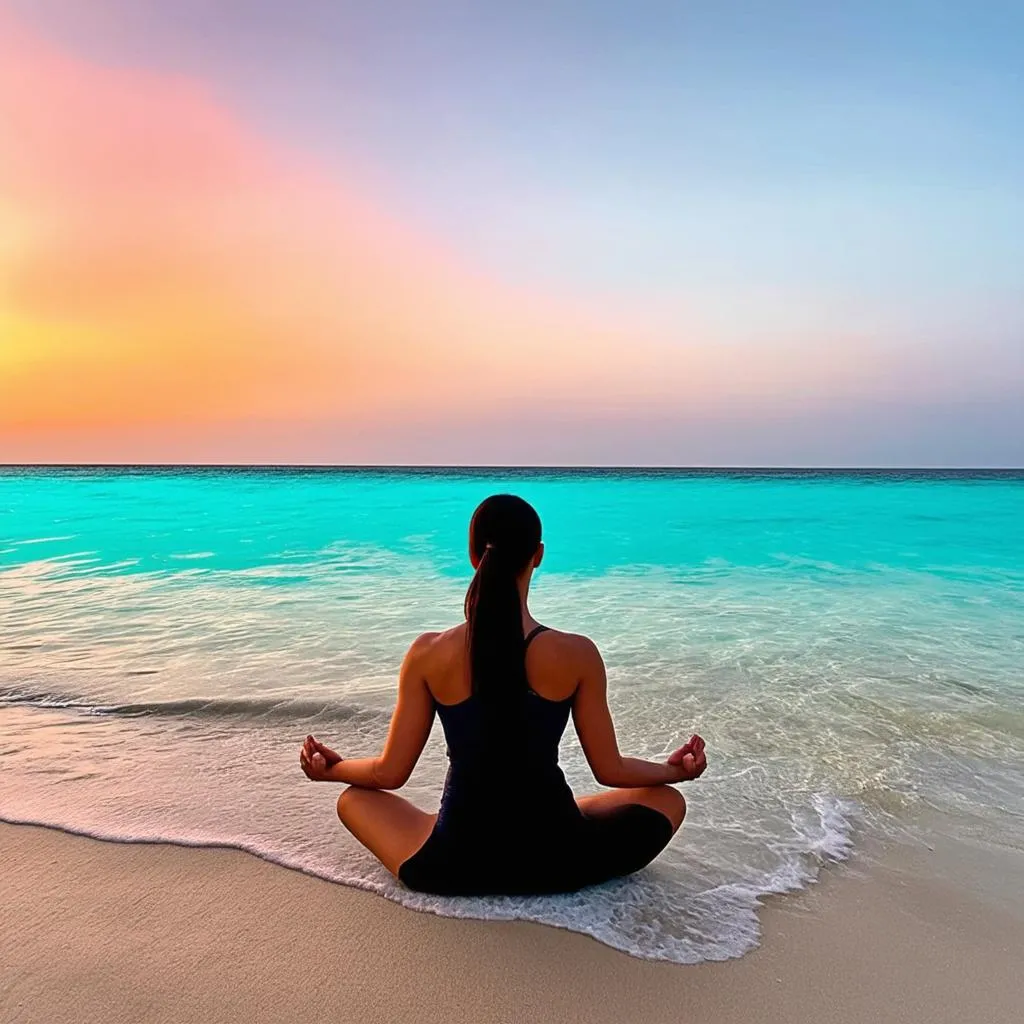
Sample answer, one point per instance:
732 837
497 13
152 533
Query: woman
504 686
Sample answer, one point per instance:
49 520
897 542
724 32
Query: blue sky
815 173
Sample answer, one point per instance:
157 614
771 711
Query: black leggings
595 849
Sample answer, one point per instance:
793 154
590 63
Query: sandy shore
101 932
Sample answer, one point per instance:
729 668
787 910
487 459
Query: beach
851 664
853 852
96 931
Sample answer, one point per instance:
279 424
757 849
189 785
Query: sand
105 932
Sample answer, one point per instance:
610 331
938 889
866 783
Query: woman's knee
350 802
669 801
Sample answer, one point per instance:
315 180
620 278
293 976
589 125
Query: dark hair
504 535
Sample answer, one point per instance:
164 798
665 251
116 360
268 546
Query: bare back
555 664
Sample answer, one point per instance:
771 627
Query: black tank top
508 821
482 782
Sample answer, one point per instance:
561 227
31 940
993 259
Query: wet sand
106 932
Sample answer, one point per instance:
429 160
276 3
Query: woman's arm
596 730
410 726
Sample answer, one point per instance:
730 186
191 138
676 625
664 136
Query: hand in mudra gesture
316 759
690 759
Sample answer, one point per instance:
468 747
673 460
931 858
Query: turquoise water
849 645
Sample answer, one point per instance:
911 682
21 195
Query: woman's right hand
689 759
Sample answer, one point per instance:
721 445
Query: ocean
850 645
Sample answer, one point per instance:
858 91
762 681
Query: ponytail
504 536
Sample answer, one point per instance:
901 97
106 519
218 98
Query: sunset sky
536 232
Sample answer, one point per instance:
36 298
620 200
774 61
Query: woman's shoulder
435 638
576 646
558 662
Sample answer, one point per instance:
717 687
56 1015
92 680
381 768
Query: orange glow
162 263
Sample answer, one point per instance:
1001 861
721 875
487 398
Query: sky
596 233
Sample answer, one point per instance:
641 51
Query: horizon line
504 467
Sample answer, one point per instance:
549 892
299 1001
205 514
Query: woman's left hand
314 746
316 760
690 759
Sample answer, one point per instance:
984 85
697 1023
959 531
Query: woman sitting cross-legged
504 687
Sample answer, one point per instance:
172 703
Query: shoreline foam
732 908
